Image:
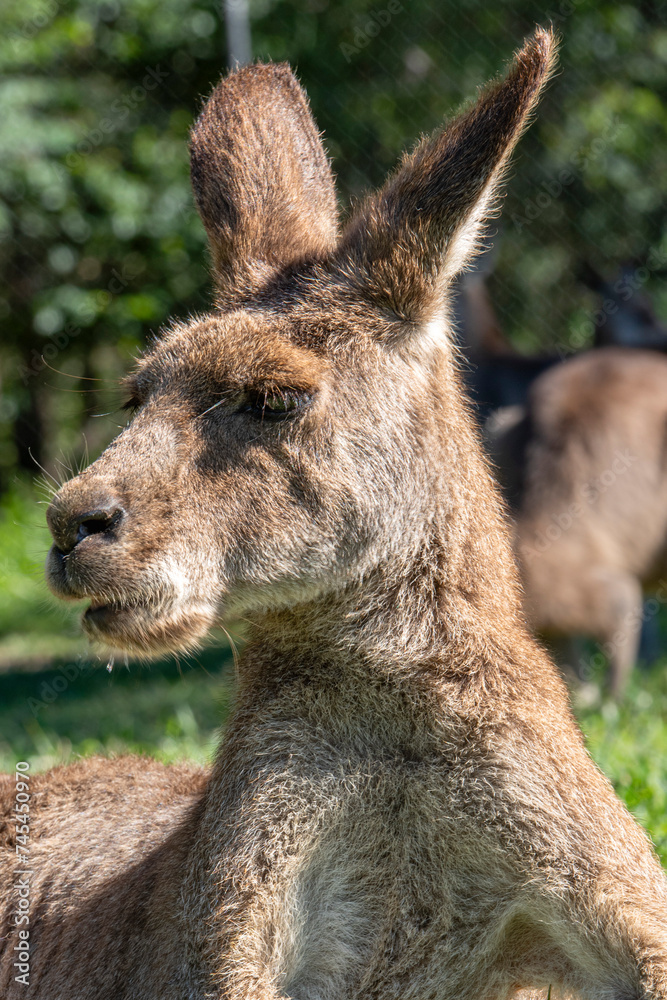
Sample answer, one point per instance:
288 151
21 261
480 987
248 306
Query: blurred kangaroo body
586 467
402 804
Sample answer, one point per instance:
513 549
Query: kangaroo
402 804
585 465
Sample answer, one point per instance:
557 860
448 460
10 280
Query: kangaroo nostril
70 527
96 523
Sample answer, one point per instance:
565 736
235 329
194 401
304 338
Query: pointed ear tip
540 48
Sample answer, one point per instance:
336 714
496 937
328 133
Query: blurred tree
99 241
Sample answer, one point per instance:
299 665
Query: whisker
88 378
235 652
46 473
85 457
65 465
215 405
43 486
61 388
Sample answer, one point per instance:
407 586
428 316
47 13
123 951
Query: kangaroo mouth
145 617
147 627
131 624
100 613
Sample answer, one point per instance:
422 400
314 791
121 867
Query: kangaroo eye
275 405
281 404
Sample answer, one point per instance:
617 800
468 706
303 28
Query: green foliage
174 712
99 240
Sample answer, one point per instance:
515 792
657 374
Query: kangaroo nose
69 527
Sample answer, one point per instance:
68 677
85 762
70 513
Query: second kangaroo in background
586 467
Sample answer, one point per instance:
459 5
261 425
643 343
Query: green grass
57 703
34 626
629 742
168 710
175 712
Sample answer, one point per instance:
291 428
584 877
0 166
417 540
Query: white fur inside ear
466 242
434 334
432 338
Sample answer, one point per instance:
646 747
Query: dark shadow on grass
170 709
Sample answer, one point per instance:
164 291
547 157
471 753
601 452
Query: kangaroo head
305 431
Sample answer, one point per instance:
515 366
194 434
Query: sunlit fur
402 805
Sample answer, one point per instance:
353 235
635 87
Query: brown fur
591 529
258 220
402 804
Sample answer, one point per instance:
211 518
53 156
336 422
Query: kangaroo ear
262 181
405 243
